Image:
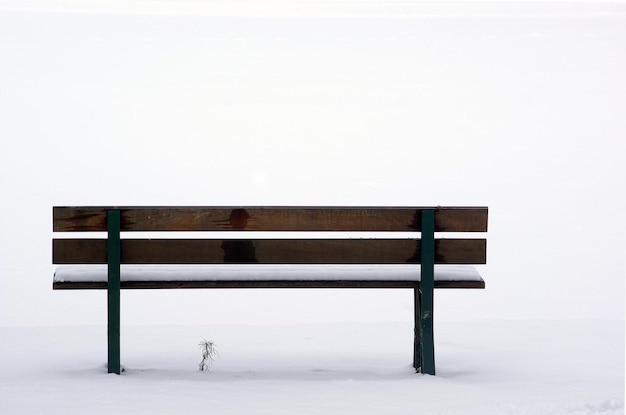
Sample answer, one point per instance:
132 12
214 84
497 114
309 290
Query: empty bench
272 247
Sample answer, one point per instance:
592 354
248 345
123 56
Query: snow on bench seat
265 272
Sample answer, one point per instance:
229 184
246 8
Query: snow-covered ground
518 106
484 367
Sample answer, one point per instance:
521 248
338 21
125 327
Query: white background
189 103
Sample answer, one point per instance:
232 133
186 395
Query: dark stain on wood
239 251
237 220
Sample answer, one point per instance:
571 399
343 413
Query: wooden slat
269 251
448 219
461 220
264 284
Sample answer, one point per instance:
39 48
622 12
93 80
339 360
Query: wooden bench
272 247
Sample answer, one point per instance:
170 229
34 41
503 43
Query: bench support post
113 290
417 342
427 284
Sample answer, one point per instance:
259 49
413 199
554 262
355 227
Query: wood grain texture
403 219
269 251
138 285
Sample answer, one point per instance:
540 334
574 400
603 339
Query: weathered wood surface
264 284
269 251
447 219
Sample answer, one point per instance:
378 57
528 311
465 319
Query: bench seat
266 276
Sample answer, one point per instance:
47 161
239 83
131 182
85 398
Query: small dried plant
209 353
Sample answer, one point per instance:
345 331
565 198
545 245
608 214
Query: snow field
484 367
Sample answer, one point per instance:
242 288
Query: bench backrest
235 247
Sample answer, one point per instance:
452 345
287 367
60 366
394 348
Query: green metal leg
417 343
427 286
113 290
